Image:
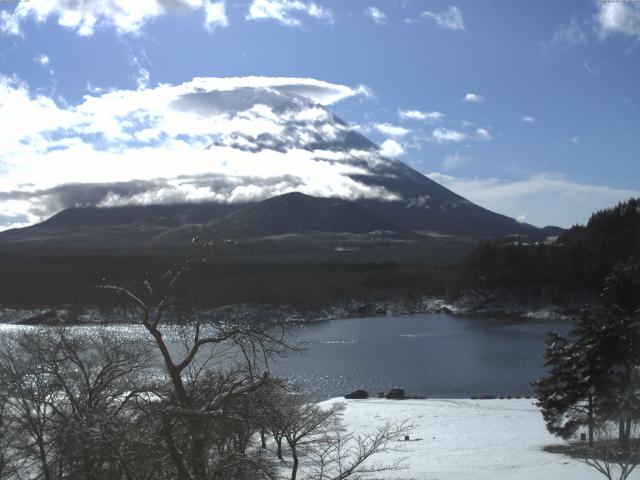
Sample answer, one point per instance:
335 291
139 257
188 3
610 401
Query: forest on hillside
582 257
579 259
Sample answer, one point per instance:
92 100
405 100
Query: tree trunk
279 443
198 457
263 439
174 453
294 468
622 440
627 431
46 473
590 421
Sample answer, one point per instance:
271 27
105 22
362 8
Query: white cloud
472 98
422 201
537 198
377 15
429 117
411 115
42 60
284 11
482 135
445 135
364 90
126 17
215 15
451 19
142 80
392 130
45 62
453 161
618 17
567 36
575 140
391 149
142 75
527 119
9 23
271 134
434 117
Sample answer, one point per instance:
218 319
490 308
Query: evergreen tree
565 396
619 343
594 372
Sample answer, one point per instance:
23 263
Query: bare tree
341 455
320 447
199 403
317 439
303 424
96 407
97 378
611 458
68 403
10 462
28 394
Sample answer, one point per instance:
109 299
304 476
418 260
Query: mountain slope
286 214
423 206
428 206
291 144
118 227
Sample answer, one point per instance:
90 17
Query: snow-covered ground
470 439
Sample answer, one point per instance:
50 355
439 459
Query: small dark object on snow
395 394
406 438
357 394
583 437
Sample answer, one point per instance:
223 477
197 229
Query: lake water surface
434 355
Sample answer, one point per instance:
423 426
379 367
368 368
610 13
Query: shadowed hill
89 228
287 214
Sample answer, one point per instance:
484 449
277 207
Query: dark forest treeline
582 257
592 380
33 281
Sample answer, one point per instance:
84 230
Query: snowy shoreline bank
290 314
468 439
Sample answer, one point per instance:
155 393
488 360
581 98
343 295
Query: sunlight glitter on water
434 355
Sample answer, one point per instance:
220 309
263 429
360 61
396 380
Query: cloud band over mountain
225 140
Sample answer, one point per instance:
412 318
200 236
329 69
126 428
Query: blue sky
530 108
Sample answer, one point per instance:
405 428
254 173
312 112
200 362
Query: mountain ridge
289 213
355 187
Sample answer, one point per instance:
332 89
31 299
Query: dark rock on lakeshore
359 394
395 394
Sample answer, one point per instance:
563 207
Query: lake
435 355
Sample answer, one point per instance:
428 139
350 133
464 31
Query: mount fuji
265 158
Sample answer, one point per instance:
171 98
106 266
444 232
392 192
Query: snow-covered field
470 439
